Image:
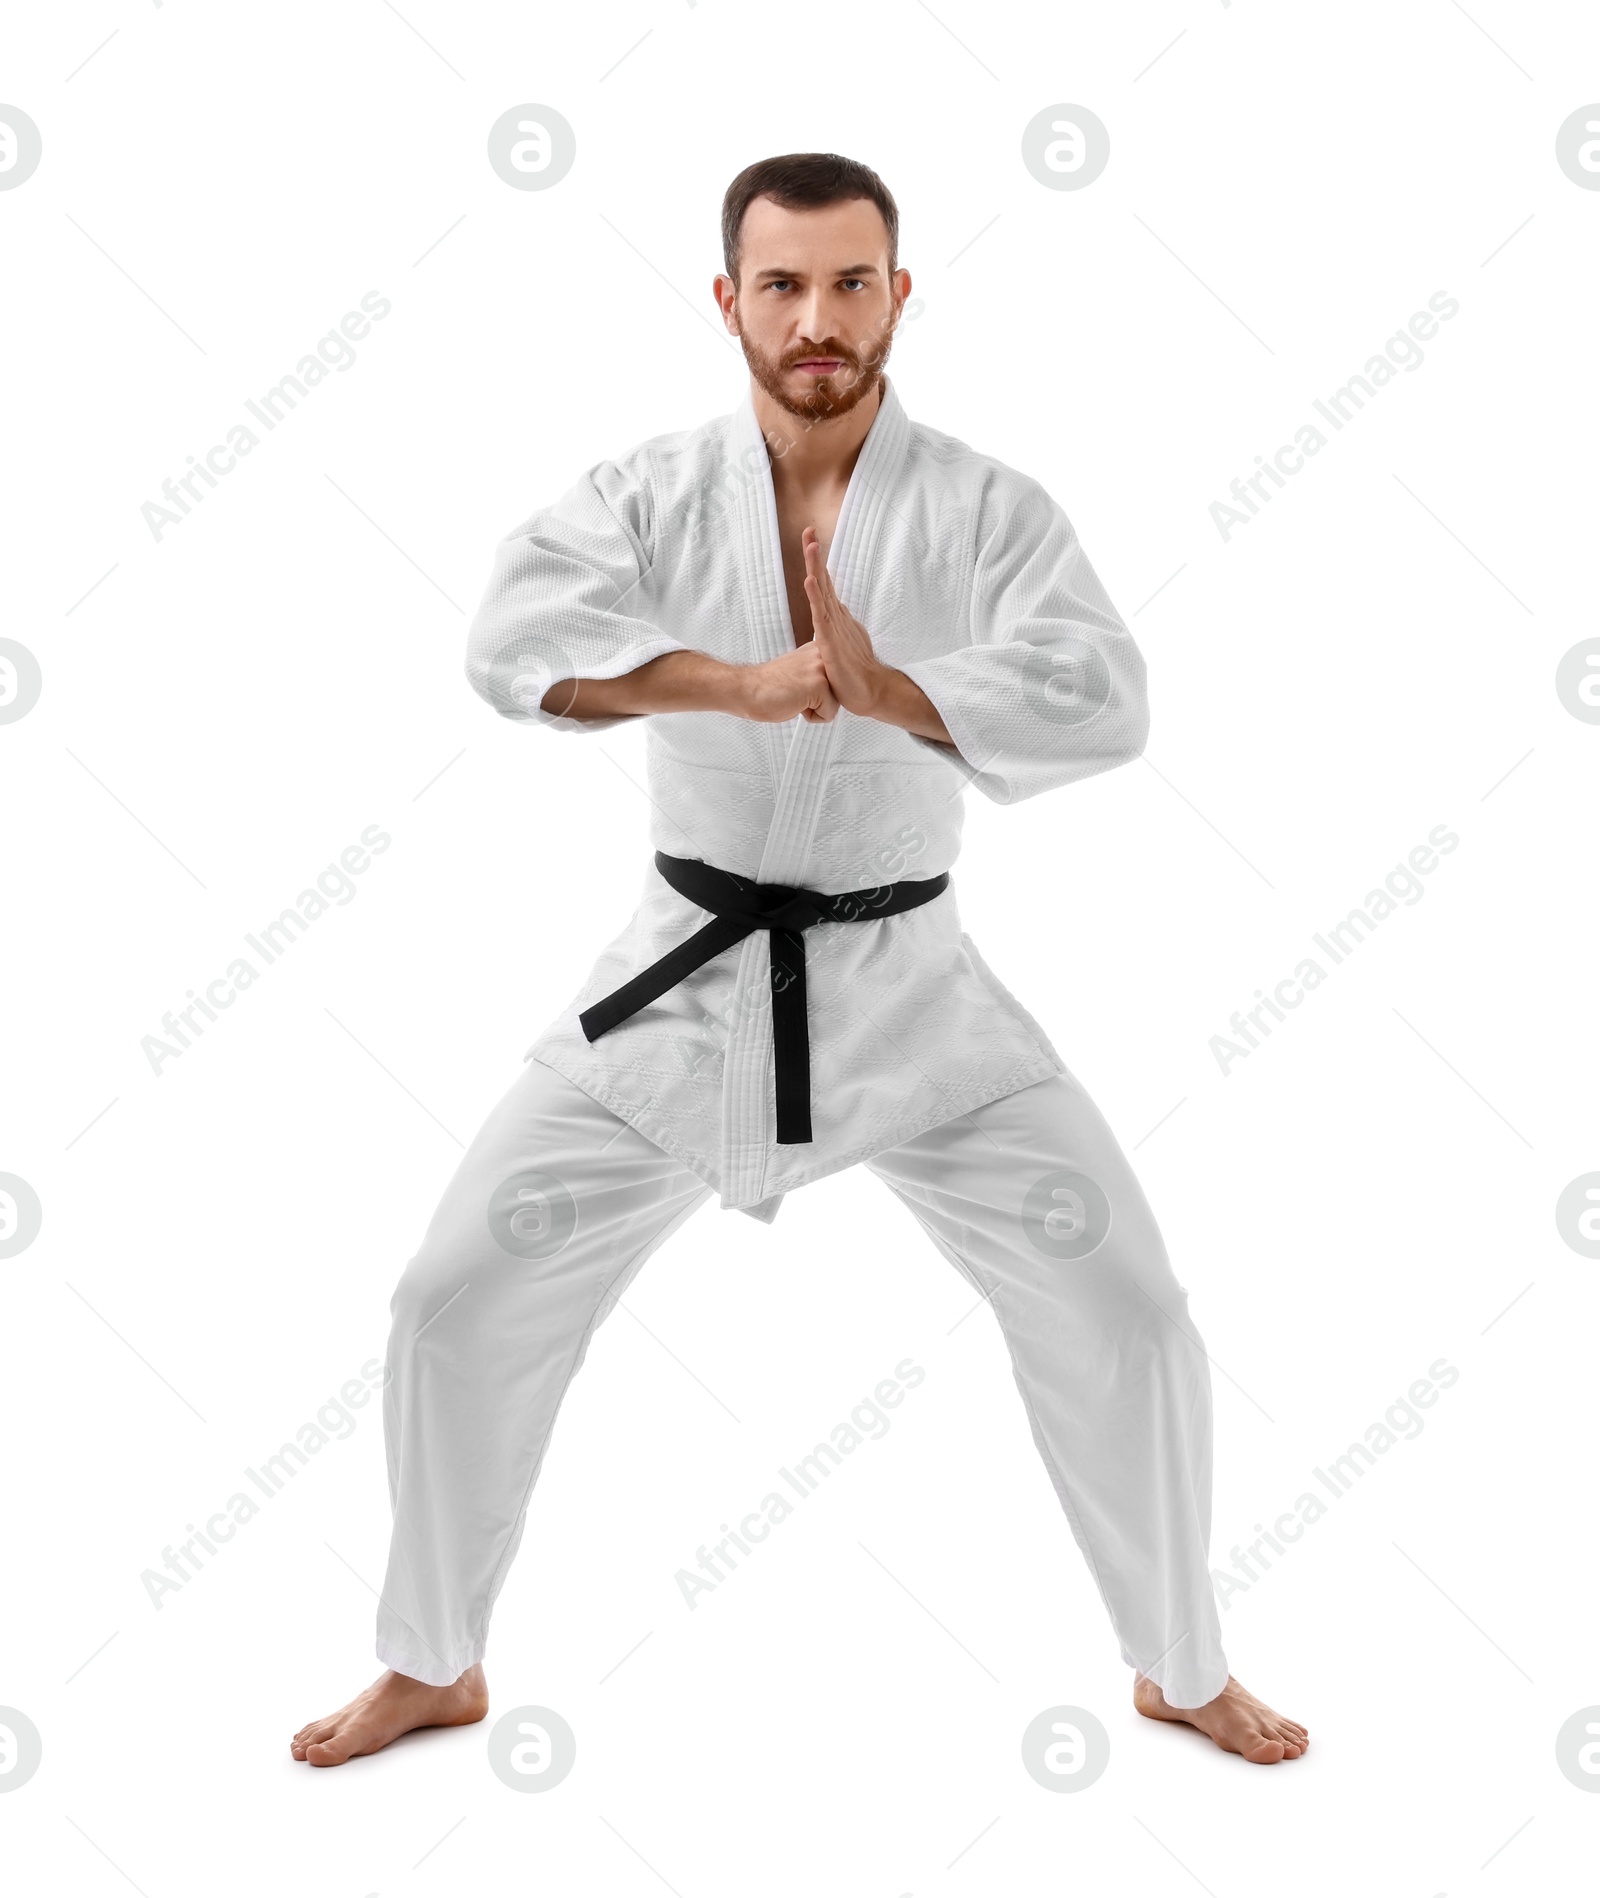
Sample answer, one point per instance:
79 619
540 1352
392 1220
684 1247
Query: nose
813 318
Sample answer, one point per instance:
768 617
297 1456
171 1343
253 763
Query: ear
726 296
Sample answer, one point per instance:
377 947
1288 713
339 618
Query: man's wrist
734 689
898 700
879 684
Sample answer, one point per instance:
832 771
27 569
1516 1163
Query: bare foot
392 1705
1236 1720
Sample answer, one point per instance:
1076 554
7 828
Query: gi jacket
967 577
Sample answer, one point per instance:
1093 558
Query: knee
1138 1312
433 1279
1153 1320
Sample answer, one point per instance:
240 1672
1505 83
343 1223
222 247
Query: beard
859 373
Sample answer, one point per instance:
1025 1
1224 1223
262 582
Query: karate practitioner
836 620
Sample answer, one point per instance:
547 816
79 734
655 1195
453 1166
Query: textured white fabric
969 578
556 1206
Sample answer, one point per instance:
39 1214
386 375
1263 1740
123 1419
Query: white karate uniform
970 579
558 1203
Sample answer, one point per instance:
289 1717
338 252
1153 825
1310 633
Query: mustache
846 356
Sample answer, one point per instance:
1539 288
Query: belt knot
779 907
739 906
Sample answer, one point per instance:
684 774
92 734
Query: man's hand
859 679
794 685
853 669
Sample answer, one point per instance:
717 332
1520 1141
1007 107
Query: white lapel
800 751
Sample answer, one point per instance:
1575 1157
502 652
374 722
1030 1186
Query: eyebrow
844 270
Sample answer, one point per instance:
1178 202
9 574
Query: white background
226 709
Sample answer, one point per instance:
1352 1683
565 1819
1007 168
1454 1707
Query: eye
859 282
780 283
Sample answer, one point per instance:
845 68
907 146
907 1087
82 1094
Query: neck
819 454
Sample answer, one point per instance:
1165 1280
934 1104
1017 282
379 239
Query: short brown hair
802 181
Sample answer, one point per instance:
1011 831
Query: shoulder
665 466
636 490
998 494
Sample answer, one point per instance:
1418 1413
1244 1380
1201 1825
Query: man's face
815 307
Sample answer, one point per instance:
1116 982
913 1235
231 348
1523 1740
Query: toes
334 1750
309 1735
1264 1751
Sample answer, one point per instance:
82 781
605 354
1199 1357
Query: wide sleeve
1051 687
564 600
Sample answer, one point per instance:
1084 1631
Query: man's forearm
671 682
695 682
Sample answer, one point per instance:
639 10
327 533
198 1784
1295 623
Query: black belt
739 908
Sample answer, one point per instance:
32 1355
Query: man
836 620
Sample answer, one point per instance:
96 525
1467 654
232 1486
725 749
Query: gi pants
558 1203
